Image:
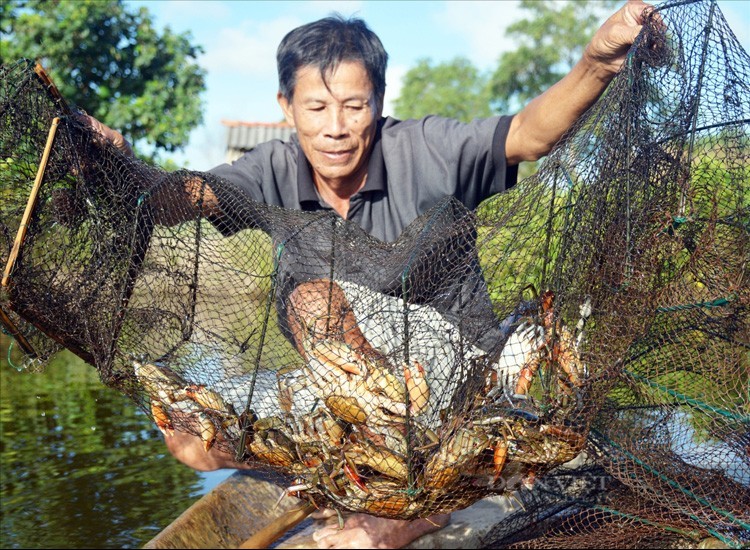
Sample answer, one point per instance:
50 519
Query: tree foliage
454 89
111 62
551 40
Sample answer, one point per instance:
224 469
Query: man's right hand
172 204
110 135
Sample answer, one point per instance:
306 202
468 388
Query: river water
80 465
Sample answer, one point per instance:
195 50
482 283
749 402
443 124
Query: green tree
454 89
111 62
551 40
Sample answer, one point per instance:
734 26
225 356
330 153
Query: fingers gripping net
598 311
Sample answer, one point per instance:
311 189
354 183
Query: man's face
335 124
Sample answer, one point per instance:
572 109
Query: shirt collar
376 174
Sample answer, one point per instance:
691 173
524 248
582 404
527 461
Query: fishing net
580 341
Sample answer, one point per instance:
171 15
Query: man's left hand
609 46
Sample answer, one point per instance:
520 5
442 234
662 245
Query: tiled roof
243 136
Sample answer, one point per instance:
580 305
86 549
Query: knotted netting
581 340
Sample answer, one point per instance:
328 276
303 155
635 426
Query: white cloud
736 14
393 78
178 12
325 7
207 148
248 48
482 26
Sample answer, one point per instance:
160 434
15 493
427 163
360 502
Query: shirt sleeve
246 173
233 184
449 157
265 175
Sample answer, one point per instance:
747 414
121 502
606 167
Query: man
383 173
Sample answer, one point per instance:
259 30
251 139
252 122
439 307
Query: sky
240 38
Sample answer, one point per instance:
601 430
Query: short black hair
326 43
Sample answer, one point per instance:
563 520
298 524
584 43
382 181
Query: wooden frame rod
52 90
7 322
30 205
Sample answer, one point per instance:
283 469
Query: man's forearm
535 130
173 204
548 116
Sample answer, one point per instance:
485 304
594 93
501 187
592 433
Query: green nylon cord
694 535
269 299
677 486
704 523
719 302
689 400
10 348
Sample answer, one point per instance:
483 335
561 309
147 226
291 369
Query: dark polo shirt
414 164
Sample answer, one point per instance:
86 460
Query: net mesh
581 341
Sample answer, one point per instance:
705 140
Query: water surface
80 465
